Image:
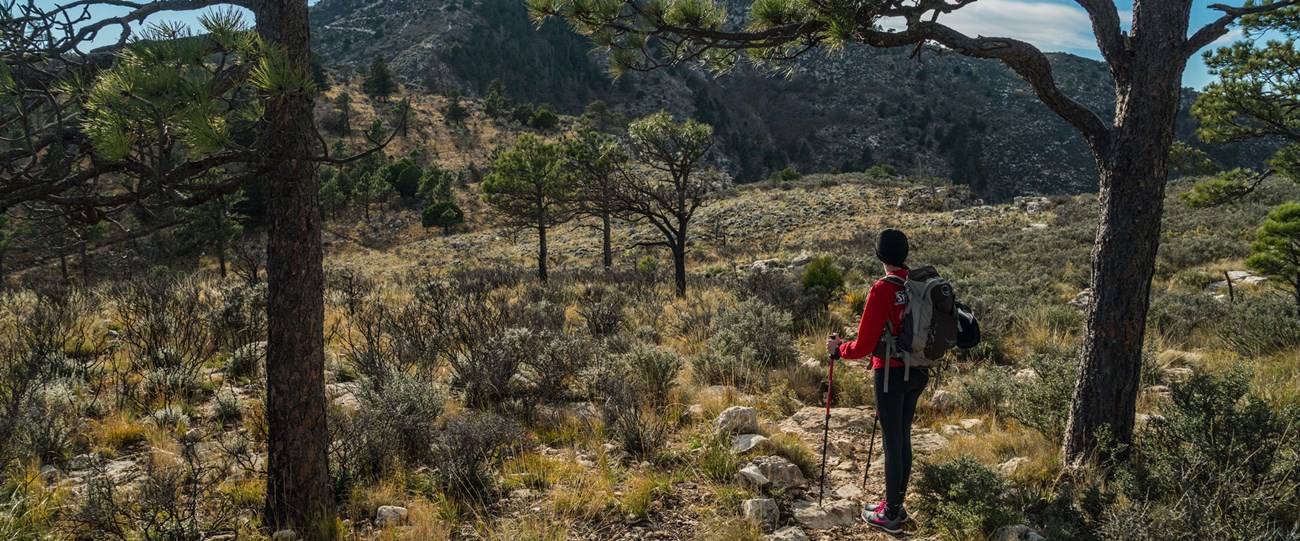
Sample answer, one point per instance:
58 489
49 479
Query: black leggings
896 409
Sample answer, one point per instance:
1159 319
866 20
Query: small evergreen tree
1276 250
455 112
380 83
444 214
436 184
211 225
544 119
403 115
344 105
595 161
495 103
532 189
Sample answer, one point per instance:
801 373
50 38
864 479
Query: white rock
971 424
812 363
952 430
850 491
802 259
844 447
388 516
1009 467
745 443
942 400
762 511
765 264
695 412
831 514
285 535
1025 375
1083 299
780 472
925 442
737 419
1019 532
1178 374
788 533
749 476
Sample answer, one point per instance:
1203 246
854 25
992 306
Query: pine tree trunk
1133 171
297 490
63 266
606 249
221 254
679 265
541 253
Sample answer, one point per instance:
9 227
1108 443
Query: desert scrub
717 462
1221 464
641 492
1042 401
601 308
1260 325
749 340
1183 317
469 447
984 390
963 499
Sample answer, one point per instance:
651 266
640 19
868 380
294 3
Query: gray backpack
929 325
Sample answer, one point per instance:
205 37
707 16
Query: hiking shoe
903 518
887 519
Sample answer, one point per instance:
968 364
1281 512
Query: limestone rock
849 491
788 533
925 442
1019 532
831 514
971 424
1083 299
749 476
1025 375
802 259
1009 467
1178 374
762 511
737 419
285 535
745 443
780 472
942 400
388 516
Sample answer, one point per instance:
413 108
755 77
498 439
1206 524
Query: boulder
762 511
749 476
849 491
1025 375
780 472
388 516
830 514
284 535
745 443
737 419
1009 467
802 259
1083 299
971 424
1019 532
764 265
925 442
788 533
942 400
1178 374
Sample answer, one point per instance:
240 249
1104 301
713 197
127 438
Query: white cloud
1048 25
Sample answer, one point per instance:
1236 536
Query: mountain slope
948 116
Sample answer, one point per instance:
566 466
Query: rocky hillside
969 120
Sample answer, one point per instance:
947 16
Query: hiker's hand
833 346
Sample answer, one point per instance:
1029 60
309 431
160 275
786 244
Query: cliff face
948 116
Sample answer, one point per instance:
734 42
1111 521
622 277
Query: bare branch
1217 29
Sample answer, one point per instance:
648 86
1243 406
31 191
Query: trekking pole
871 450
826 430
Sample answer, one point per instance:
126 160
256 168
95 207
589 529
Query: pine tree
595 161
444 214
379 82
344 105
495 103
455 112
532 189
1276 250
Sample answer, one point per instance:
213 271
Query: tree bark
541 253
1133 167
607 250
297 488
221 254
63 267
679 264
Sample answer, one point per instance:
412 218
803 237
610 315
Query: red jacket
885 300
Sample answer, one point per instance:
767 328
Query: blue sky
1052 25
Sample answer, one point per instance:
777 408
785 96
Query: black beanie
891 247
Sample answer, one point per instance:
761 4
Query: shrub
601 307
555 365
713 368
468 447
963 499
635 391
485 377
239 317
1220 465
1260 325
822 281
226 408
247 361
984 391
756 332
1043 403
655 370
1182 316
399 417
717 462
443 214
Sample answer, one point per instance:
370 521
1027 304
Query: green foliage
379 82
404 177
344 105
530 185
748 341
444 214
1276 250
1222 189
984 391
437 184
1187 160
788 174
1043 402
963 499
1221 464
455 112
495 102
1261 325
544 119
468 449
822 280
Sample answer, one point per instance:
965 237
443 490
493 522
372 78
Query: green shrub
822 280
655 369
1181 316
756 332
1195 279
398 416
442 214
711 367
1043 402
226 408
601 307
246 362
468 449
554 368
984 391
1260 325
1221 464
963 499
485 377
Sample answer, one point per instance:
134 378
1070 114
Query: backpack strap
893 279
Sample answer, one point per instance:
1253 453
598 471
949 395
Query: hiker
896 401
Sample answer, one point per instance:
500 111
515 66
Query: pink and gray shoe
883 517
